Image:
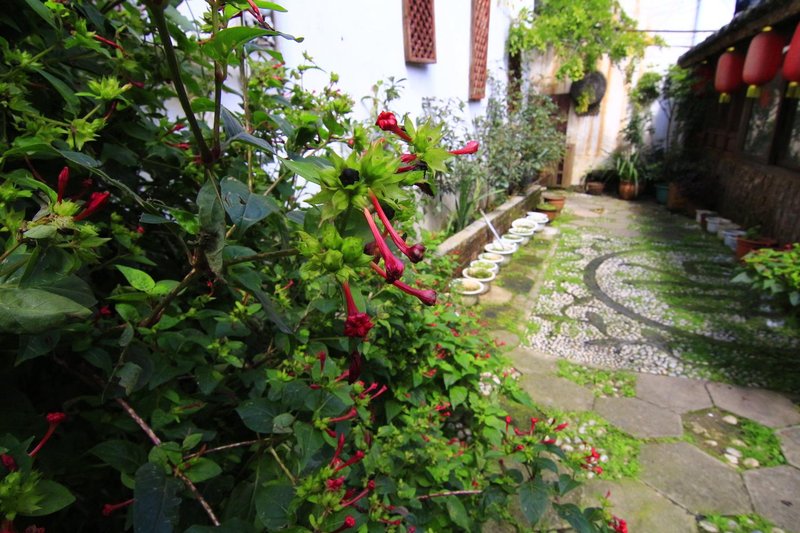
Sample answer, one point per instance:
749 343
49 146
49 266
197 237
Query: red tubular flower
508 422
387 122
321 356
619 525
54 419
8 462
357 324
109 508
349 522
96 201
63 180
339 448
428 297
394 267
352 413
561 427
363 493
408 158
355 367
414 253
470 148
353 460
108 42
334 484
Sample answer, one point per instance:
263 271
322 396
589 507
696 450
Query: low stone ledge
469 242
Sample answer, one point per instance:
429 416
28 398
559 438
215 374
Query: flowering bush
774 272
210 349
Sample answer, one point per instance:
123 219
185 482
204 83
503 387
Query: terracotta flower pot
744 245
595 188
627 190
555 200
551 215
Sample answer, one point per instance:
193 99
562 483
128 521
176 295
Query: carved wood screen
480 45
419 31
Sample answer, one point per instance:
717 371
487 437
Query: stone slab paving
530 361
551 391
639 418
644 509
790 445
769 408
693 479
496 295
505 338
680 395
776 494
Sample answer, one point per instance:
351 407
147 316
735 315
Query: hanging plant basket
587 93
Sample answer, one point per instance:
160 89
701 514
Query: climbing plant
580 34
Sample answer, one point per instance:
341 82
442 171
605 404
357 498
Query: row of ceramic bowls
724 228
484 270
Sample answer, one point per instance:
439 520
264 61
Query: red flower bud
8 462
470 148
109 509
408 158
394 267
387 122
63 180
53 419
96 201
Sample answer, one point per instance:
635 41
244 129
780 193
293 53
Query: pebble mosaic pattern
660 302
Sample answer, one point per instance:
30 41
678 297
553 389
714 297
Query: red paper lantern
729 74
763 60
791 65
703 75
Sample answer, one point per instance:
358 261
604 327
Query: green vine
581 33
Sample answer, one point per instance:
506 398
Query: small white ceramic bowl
487 265
469 274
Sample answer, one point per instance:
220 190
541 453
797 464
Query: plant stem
175 71
180 475
283 466
450 493
10 251
220 73
262 255
221 448
155 316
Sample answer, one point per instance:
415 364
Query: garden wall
469 242
753 194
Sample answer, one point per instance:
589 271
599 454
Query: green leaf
42 11
202 469
225 42
44 231
54 497
259 414
572 514
304 169
212 225
458 395
155 504
34 346
72 102
25 310
121 455
139 280
273 504
80 159
244 207
534 499
458 514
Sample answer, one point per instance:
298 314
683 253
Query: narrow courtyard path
627 325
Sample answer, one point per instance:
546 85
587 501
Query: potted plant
548 209
554 199
626 166
595 181
479 274
752 240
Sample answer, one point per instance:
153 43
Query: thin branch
283 466
10 250
221 448
175 71
180 475
155 316
263 255
450 493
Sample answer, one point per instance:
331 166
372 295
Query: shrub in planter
774 272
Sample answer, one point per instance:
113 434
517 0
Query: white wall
362 41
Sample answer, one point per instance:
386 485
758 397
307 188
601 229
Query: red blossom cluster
618 524
590 462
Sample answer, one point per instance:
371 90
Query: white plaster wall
362 41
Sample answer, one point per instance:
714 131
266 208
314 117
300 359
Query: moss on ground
603 383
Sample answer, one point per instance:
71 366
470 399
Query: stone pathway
604 294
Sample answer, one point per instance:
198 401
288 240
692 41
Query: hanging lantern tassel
728 77
763 61
791 65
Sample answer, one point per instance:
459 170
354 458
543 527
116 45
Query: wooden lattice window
419 31
480 46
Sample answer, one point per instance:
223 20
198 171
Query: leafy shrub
189 323
774 272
